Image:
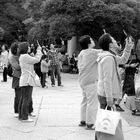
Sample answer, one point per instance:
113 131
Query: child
44 69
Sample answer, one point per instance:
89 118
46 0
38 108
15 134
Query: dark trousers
129 85
5 74
25 105
43 79
39 73
55 69
17 99
103 102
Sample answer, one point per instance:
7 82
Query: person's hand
32 54
39 48
110 102
134 65
129 42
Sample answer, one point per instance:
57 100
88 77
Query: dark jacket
14 61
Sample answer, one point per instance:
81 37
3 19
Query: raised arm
36 58
126 53
62 49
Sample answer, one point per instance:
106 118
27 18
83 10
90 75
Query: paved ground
57 112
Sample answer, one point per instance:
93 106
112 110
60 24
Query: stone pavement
57 110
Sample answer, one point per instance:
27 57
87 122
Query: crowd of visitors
99 74
24 62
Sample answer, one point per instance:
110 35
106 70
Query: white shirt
4 58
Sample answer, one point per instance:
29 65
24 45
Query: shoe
32 114
118 108
82 124
60 85
90 127
136 112
3 81
16 115
28 120
53 85
45 86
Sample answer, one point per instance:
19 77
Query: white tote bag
107 121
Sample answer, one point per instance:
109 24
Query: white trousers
89 104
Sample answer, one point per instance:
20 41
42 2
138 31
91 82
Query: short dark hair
84 41
23 47
14 48
104 41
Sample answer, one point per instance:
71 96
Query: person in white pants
88 76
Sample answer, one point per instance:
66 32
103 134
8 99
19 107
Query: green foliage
11 16
1 33
38 32
65 18
34 8
55 26
89 17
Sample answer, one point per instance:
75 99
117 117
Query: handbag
107 121
118 134
9 70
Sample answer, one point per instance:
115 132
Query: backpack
9 70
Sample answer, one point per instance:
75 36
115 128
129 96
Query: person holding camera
55 64
129 81
27 79
109 83
88 77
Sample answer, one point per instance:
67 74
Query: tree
56 29
77 17
11 16
1 33
38 32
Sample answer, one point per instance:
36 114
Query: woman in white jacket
27 79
